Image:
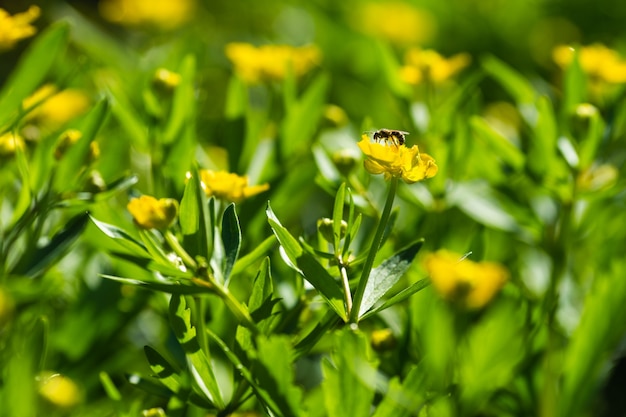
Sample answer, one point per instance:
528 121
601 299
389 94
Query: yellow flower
421 65
59 390
150 213
16 27
53 108
9 143
596 60
397 22
398 161
228 186
164 14
469 284
166 79
271 62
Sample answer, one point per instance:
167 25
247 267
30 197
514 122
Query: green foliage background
550 344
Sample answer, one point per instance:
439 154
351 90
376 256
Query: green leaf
204 379
542 152
183 108
245 372
515 83
168 270
125 240
32 68
163 370
350 378
404 399
40 259
83 198
399 297
321 329
274 371
303 116
501 146
109 387
595 342
574 86
154 247
307 265
387 274
74 162
257 253
340 198
231 238
195 220
169 287
592 138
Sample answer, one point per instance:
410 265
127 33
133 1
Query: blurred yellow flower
150 213
69 138
164 14
597 178
16 27
423 65
398 161
596 60
166 79
466 283
397 22
59 390
228 186
54 108
271 62
9 143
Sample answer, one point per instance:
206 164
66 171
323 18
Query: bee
388 136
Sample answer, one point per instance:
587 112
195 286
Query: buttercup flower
598 61
228 186
16 27
165 14
421 65
398 161
271 62
150 213
397 22
55 108
469 284
59 390
9 143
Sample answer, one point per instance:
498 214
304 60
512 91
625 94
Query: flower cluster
596 60
271 62
17 27
397 161
423 65
469 284
163 14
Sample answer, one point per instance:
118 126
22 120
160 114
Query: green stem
238 309
369 262
346 287
179 250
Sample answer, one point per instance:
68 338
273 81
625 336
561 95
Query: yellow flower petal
150 213
16 27
228 186
397 161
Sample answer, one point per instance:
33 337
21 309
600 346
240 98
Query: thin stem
346 287
179 250
238 309
369 262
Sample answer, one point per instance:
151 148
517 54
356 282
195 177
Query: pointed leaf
135 247
42 258
231 238
308 266
201 369
163 370
387 274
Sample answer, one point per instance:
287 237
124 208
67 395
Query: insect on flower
389 136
